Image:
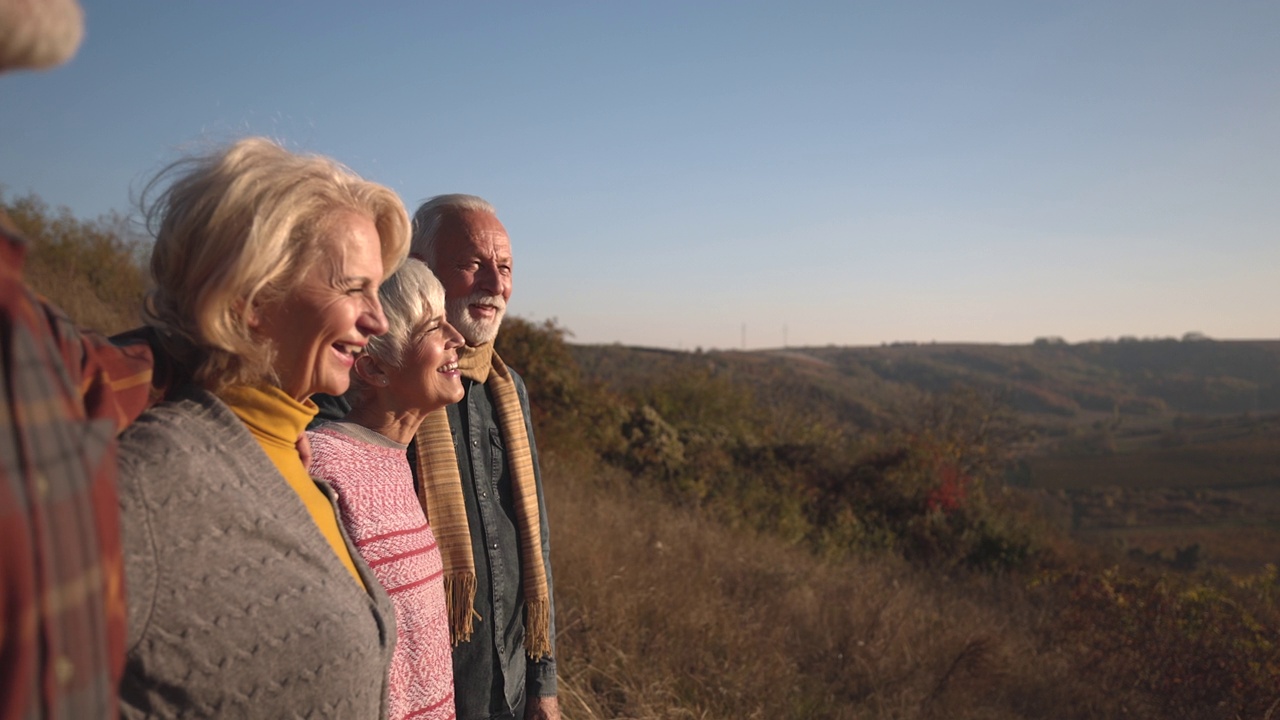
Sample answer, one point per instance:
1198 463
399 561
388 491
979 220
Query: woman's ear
371 372
249 312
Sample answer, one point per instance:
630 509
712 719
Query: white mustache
494 301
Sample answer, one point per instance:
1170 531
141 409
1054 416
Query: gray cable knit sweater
238 606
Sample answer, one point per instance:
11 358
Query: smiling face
428 378
320 326
473 262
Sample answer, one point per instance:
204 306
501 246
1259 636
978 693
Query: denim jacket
491 672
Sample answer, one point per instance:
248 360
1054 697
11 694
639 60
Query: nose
489 279
453 338
372 321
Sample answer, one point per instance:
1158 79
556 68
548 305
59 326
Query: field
1208 488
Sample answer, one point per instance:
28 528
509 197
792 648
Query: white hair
410 297
430 216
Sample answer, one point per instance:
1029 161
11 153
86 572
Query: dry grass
662 615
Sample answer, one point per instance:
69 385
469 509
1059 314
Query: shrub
1205 647
93 270
570 413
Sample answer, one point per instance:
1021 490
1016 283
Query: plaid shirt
65 396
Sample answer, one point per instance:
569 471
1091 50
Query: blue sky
671 172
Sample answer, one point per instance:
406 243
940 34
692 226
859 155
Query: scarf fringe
537 626
460 597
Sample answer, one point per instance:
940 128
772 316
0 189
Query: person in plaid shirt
64 397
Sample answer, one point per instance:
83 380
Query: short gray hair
430 216
409 298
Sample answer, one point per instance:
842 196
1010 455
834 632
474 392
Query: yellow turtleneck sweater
276 420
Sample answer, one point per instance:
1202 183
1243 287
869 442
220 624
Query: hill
1053 385
1151 446
961 459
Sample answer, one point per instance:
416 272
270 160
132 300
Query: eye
425 330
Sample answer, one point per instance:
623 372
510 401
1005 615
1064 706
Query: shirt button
42 486
484 494
494 546
64 670
475 443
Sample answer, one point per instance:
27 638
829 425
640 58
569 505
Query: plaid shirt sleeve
65 396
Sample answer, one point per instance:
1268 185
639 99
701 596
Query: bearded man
476 466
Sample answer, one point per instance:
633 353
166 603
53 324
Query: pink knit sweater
385 521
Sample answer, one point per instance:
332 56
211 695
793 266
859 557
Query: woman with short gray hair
405 374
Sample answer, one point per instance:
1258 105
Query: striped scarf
440 492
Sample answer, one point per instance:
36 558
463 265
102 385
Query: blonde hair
410 297
241 227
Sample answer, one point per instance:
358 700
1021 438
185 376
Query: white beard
476 332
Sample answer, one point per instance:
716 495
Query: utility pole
744 336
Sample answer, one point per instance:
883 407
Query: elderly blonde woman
403 375
245 597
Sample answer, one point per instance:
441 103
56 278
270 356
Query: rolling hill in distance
1153 445
1051 384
